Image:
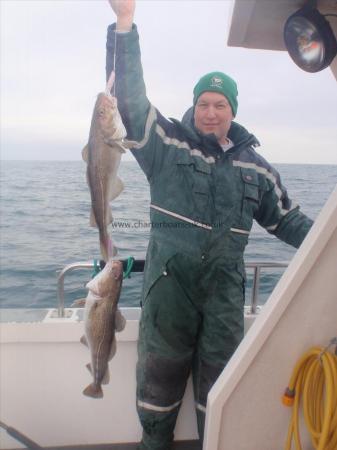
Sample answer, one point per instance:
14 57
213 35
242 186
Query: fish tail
104 251
108 250
94 391
112 249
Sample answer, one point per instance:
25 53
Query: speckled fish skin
103 156
102 318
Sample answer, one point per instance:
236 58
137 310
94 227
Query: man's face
213 114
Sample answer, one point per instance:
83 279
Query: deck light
310 40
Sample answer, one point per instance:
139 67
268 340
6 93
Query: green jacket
203 200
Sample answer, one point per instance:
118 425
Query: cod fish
103 155
102 318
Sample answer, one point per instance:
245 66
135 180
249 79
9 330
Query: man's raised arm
124 10
139 116
123 56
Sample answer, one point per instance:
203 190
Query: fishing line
111 80
114 67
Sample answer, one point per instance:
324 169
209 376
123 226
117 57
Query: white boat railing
139 266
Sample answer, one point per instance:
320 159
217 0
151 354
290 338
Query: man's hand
124 10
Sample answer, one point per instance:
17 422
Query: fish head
108 282
108 118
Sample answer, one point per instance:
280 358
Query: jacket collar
208 143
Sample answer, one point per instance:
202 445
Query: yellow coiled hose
313 385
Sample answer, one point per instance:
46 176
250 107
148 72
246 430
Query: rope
313 385
129 266
97 268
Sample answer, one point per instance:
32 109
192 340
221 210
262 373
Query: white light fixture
310 40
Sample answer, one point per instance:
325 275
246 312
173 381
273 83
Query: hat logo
216 82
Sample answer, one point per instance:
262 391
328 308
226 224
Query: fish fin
129 144
113 349
116 190
106 378
88 366
119 321
85 153
84 341
115 143
120 147
92 221
93 391
79 303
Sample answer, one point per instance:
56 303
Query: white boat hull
43 375
301 313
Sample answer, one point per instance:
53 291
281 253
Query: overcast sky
53 66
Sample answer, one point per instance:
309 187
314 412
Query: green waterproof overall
203 202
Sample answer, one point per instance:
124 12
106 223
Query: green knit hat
217 82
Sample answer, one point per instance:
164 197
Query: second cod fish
102 318
102 155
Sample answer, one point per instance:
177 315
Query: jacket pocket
196 174
251 185
251 197
157 257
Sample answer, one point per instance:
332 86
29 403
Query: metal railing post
255 289
60 283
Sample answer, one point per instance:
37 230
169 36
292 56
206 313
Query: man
207 185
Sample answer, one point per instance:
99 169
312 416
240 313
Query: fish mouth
101 284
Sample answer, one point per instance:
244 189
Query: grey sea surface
44 226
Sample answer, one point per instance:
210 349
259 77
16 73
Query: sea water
44 226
